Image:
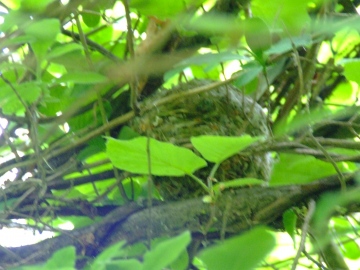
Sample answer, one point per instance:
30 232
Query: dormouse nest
222 111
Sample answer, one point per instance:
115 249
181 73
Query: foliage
74 74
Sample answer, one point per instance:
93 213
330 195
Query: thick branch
238 211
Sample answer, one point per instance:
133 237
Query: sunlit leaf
292 16
351 70
238 252
351 249
165 158
218 148
290 169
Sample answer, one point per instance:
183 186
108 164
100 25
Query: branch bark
233 212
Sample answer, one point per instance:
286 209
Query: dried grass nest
222 111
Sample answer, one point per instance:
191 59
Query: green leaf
237 183
44 30
208 59
34 5
241 252
289 221
350 249
82 78
62 49
328 204
107 256
14 18
129 264
216 24
166 158
10 102
91 15
19 40
127 133
257 35
57 260
246 75
288 44
44 33
291 16
166 252
218 148
303 120
351 70
296 169
343 94
182 262
160 8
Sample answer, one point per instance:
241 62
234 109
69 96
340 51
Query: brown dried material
222 111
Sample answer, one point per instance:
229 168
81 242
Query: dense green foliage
75 74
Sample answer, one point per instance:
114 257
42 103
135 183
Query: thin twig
304 231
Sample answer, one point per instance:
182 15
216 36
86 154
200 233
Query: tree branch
248 207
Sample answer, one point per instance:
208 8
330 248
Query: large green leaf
218 148
241 252
292 16
166 252
166 158
297 169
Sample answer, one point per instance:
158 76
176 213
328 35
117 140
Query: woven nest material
222 111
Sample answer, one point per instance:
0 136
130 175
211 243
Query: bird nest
223 111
